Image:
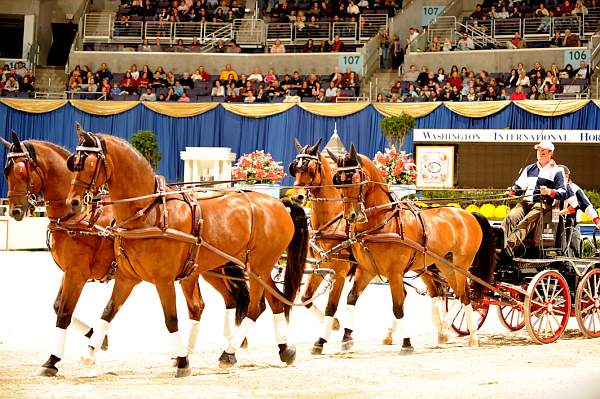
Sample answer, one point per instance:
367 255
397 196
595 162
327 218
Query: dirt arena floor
137 363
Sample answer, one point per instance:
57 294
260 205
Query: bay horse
312 170
162 235
394 238
35 167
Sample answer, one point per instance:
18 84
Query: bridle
301 162
31 166
344 176
77 165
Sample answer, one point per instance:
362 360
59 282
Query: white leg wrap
240 334
315 311
99 334
229 324
193 335
59 343
394 326
327 326
280 328
436 317
470 319
79 325
350 317
400 327
180 349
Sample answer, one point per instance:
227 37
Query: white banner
504 136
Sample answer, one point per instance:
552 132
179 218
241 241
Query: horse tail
238 288
485 261
296 254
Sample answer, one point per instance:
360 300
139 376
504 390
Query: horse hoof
388 340
88 360
245 343
227 360
336 324
183 372
443 338
316 350
174 362
104 345
48 371
407 350
288 355
474 341
347 345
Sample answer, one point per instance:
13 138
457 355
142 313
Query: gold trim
416 110
551 107
476 109
257 110
103 108
337 109
33 106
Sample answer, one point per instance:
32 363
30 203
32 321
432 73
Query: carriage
547 286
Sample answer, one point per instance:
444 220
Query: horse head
306 168
25 179
90 170
350 179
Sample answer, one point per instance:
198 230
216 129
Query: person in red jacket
518 94
337 45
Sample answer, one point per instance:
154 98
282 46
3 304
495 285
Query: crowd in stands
17 81
179 11
467 85
229 85
304 13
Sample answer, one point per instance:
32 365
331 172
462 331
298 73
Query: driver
540 182
576 200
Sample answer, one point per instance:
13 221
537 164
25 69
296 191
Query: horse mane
369 167
62 151
124 143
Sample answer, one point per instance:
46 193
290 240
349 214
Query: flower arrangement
396 167
257 167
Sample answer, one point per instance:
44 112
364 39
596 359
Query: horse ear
5 142
79 130
315 148
332 156
16 141
90 141
352 152
298 145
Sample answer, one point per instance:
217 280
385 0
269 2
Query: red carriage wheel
587 304
547 306
456 314
513 317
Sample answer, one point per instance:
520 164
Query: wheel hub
549 307
597 303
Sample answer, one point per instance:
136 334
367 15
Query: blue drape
274 134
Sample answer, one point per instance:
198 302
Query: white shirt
256 76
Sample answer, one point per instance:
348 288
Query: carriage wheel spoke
554 287
586 309
596 284
588 292
557 322
556 294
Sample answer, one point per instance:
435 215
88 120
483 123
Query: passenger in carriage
576 200
540 182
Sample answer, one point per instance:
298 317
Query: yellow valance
338 109
476 109
180 110
257 110
103 108
551 107
597 102
33 106
416 110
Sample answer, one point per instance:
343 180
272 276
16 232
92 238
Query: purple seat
117 98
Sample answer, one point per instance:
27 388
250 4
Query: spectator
455 80
435 45
224 75
321 98
380 98
115 91
158 81
556 40
135 74
186 81
523 79
278 47
143 82
397 53
547 94
324 46
478 14
353 83
447 45
26 86
316 89
534 94
148 95
308 46
21 71
465 43
170 79
384 48
220 48
512 80
567 73
352 8
256 77
270 77
337 46
180 47
583 71
518 94
233 97
184 97
503 95
472 96
145 46
233 47
413 33
503 14
331 91
537 68
411 75
571 39
455 94
490 94
127 84
218 90
580 9
542 13
157 46
200 75
517 42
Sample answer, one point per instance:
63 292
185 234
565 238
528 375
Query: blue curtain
274 134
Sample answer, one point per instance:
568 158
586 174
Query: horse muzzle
17 213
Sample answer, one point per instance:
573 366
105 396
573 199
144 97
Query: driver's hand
545 190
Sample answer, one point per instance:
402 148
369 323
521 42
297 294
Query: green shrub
588 248
145 142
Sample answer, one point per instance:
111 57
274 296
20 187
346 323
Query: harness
31 166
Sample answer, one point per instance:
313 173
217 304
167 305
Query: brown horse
312 170
35 167
163 236
388 239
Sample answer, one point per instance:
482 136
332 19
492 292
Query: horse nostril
300 198
16 212
74 203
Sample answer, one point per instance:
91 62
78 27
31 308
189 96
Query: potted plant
257 171
395 128
145 142
397 169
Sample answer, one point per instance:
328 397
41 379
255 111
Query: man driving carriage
576 200
540 183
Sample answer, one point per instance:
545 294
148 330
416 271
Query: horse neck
323 211
376 194
56 179
130 176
